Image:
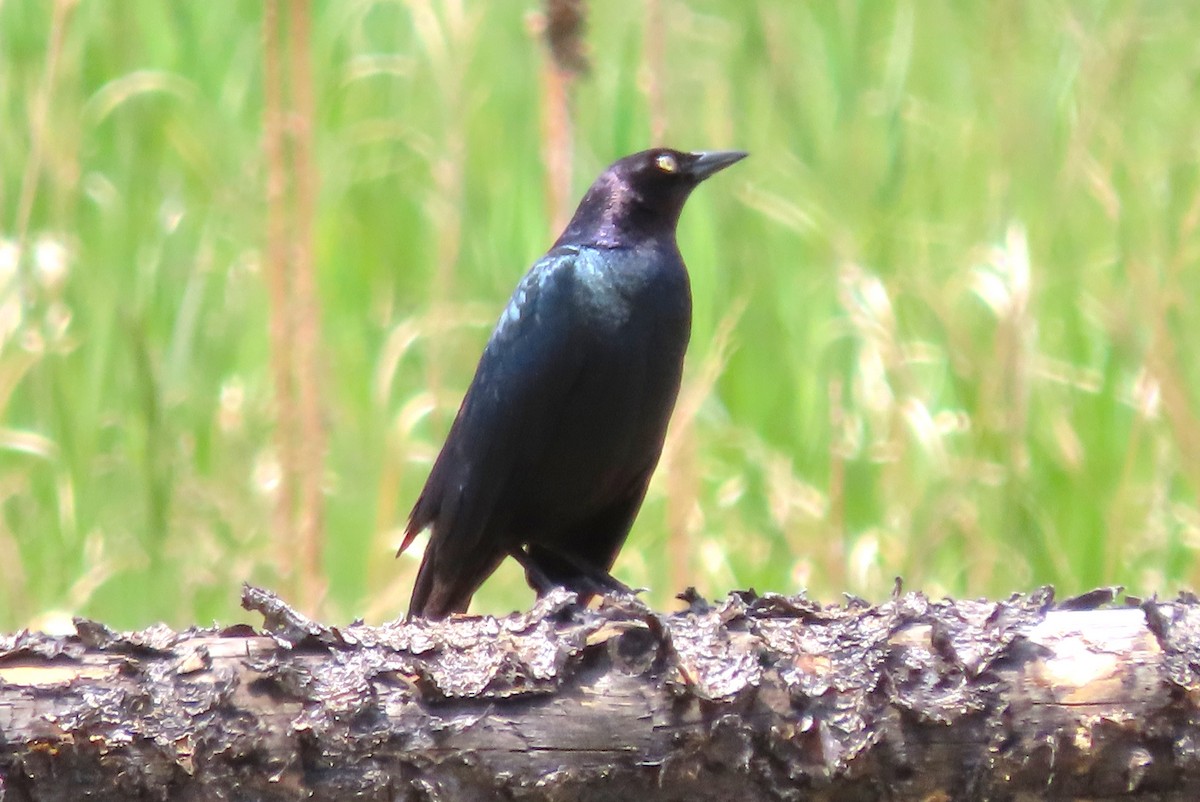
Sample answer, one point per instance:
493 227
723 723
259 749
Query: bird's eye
666 162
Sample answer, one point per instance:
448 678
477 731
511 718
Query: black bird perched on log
552 449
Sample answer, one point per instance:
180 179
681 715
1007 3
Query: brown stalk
291 286
680 457
306 364
276 272
655 54
557 136
562 26
683 475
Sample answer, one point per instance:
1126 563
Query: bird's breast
633 319
643 294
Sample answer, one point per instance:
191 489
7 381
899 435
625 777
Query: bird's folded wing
527 369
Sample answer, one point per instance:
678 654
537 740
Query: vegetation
942 312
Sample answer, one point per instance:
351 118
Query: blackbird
552 449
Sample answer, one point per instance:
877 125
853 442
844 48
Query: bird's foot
600 583
555 569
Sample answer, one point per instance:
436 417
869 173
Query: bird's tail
442 590
427 601
410 535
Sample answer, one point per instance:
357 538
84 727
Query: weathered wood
757 698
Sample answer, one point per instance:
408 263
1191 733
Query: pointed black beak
711 161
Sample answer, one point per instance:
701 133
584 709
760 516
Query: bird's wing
527 369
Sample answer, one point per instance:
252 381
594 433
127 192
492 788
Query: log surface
754 698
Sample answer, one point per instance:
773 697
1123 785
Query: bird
554 443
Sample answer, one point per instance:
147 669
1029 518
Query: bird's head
642 195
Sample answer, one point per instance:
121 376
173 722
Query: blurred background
944 315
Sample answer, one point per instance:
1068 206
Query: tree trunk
756 698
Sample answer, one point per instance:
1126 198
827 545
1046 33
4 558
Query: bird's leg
594 576
537 578
547 567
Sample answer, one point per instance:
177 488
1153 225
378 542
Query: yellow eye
666 163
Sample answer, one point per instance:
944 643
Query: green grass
958 280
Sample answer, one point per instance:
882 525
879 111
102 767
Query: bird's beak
708 162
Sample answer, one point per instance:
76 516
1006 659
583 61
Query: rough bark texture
759 697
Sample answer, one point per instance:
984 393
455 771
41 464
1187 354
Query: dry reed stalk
276 271
655 54
306 365
562 25
291 284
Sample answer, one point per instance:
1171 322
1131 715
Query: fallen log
754 698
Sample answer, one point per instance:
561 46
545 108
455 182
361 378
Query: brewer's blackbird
552 449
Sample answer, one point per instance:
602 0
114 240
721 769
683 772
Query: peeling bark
756 698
